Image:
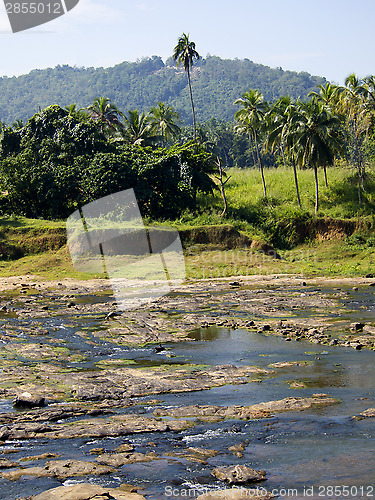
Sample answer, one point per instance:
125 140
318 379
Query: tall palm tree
162 121
185 53
318 138
106 114
137 129
281 132
251 121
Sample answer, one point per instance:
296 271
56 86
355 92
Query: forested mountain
217 83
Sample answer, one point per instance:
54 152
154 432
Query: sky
330 38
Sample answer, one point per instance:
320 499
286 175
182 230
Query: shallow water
306 453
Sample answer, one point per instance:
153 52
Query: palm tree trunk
325 176
252 150
192 106
260 164
316 189
283 153
296 181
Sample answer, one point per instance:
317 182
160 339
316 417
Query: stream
316 453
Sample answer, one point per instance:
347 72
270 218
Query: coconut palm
281 132
78 113
106 114
251 121
137 129
276 122
162 121
185 54
318 138
328 95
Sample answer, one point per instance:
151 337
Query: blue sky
330 38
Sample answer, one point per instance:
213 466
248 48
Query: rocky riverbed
81 372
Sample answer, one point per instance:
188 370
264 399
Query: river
316 453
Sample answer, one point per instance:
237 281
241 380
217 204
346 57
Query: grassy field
37 246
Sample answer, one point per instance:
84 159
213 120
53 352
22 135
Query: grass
277 220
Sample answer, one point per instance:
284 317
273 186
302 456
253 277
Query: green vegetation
311 175
140 85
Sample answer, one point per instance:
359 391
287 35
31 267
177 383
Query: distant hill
139 85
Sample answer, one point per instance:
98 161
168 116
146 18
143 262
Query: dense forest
139 85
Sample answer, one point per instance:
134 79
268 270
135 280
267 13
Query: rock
369 413
124 447
238 494
238 474
85 491
120 459
237 449
256 411
112 314
44 456
7 464
28 400
357 327
61 469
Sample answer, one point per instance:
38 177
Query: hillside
139 85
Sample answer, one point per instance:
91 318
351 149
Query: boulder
28 400
238 474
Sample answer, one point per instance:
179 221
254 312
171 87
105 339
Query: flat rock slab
120 459
238 474
369 413
260 410
61 469
86 492
118 425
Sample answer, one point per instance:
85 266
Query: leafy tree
185 53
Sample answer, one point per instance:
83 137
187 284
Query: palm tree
78 113
106 114
280 124
251 121
318 138
161 119
328 95
185 53
276 122
137 129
